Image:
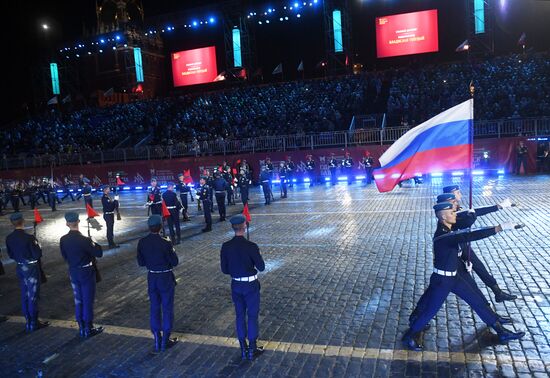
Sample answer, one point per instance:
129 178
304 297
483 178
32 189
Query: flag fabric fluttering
119 182
246 213
187 179
300 66
91 212
37 216
442 143
278 69
165 211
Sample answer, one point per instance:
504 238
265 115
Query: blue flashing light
126 188
457 173
59 191
437 174
276 181
500 171
327 178
211 20
79 190
478 172
164 186
342 178
296 5
315 1
305 180
102 40
360 177
117 37
294 180
195 23
139 187
298 15
379 176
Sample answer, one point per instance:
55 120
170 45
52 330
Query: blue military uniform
173 204
158 256
332 166
291 168
243 187
80 253
210 183
220 189
87 193
265 181
347 164
228 177
368 162
184 191
283 174
109 208
241 260
154 200
25 251
310 171
203 195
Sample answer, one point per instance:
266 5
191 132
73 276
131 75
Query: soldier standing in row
283 174
243 186
347 164
80 253
158 256
87 192
310 170
291 169
170 199
154 199
220 189
333 166
203 195
368 163
264 180
184 192
109 208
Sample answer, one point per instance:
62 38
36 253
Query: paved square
344 267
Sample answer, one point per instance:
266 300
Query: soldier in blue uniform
228 177
243 186
87 193
270 169
445 279
154 199
310 170
25 251
220 188
109 208
184 191
332 166
291 169
210 183
67 183
264 181
80 253
158 256
283 173
478 266
173 204
347 165
241 259
368 163
203 195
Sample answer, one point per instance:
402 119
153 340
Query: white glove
198 197
471 211
509 226
506 203
116 197
469 266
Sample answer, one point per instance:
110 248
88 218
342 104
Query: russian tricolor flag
442 143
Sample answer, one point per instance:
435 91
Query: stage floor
344 267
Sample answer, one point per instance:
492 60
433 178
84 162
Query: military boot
501 296
410 341
505 335
244 348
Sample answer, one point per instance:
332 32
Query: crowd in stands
510 86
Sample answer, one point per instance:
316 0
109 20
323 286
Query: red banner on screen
407 33
196 66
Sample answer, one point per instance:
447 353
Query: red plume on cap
187 176
239 161
37 216
220 168
165 211
119 181
234 170
187 172
367 153
246 213
91 212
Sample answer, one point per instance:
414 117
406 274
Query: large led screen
196 66
406 34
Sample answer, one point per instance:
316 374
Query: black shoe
207 229
91 331
501 296
410 341
503 320
505 335
37 324
252 353
167 342
158 341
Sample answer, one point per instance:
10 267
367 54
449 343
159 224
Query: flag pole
471 140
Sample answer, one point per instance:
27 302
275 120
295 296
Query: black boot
244 349
505 335
37 324
90 330
158 341
501 296
410 341
412 319
504 320
254 350
167 342
81 328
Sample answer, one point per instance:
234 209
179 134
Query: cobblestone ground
345 266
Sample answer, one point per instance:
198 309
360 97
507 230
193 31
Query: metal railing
528 127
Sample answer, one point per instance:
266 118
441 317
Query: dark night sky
66 19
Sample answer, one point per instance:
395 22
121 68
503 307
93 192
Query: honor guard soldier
243 186
174 206
445 280
109 208
310 170
229 189
154 199
15 196
269 168
158 256
241 260
210 183
80 253
347 164
25 251
220 188
184 191
283 174
67 188
291 169
203 195
87 193
368 163
264 181
333 166
80 186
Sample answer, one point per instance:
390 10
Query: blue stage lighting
260 22
276 181
437 174
500 171
211 20
298 15
478 172
267 21
102 40
315 1
296 5
327 179
458 173
360 177
117 37
139 187
281 19
379 176
305 180
195 23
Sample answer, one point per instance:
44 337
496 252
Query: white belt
444 273
28 262
108 212
246 279
87 265
160 271
87 194
459 253
157 203
220 191
265 181
170 207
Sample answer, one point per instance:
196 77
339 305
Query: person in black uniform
210 183
332 166
220 188
67 183
184 191
109 208
270 169
445 279
283 174
241 259
310 170
80 253
368 163
264 180
158 256
15 196
347 165
479 268
243 186
174 206
521 158
87 193
154 198
25 251
228 176
203 195
291 169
